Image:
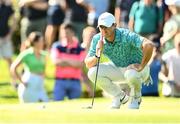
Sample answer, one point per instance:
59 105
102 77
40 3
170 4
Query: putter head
88 107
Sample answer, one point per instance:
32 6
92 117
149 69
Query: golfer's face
106 31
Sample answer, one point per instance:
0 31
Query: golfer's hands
136 67
99 46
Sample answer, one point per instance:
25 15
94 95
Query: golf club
94 89
95 82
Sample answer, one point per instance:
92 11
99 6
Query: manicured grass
7 93
153 110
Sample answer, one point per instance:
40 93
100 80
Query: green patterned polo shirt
125 50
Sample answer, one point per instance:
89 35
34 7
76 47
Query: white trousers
108 74
34 91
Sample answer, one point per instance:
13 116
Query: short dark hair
68 26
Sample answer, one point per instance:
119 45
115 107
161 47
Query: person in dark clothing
6 13
33 14
77 16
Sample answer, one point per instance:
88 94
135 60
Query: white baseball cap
106 19
173 2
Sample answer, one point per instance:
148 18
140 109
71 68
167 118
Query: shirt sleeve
170 26
133 10
54 53
22 56
82 55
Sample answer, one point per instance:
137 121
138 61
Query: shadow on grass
8 96
4 84
6 92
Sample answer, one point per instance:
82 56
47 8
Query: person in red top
68 55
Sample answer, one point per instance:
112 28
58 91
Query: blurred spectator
166 12
146 19
122 9
68 56
76 14
155 68
170 77
87 35
6 30
172 26
95 9
33 16
31 87
55 17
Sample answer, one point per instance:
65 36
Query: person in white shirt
171 79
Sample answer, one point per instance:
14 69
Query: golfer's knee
131 76
92 73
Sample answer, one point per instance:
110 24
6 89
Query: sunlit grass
153 110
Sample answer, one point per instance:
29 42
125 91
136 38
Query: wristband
97 56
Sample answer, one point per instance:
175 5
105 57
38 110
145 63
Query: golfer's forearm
147 52
91 61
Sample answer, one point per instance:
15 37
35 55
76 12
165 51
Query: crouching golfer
129 54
